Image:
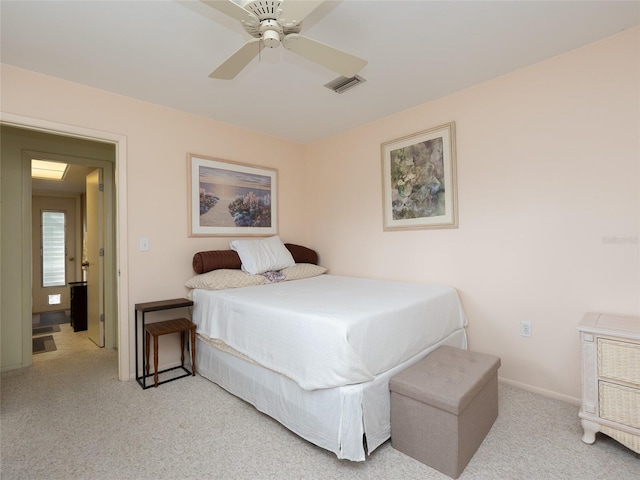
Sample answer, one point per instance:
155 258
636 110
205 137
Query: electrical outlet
525 329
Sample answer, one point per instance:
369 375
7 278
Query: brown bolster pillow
302 254
207 261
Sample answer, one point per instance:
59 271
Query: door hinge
102 318
102 252
101 187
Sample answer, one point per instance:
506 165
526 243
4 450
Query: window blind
53 249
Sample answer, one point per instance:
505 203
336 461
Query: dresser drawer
619 360
619 403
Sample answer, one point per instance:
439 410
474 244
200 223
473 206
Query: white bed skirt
336 419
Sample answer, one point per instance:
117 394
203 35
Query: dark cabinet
78 305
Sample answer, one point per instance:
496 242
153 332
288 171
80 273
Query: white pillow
259 256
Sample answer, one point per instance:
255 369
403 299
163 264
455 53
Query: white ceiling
163 51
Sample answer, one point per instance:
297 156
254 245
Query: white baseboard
542 391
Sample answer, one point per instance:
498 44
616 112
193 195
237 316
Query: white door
95 257
47 296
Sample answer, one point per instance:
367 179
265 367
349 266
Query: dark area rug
54 318
44 344
40 329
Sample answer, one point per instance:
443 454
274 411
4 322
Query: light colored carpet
96 427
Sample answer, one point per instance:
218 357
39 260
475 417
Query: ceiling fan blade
233 10
233 65
341 62
294 11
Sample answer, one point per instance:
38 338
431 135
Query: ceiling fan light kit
272 22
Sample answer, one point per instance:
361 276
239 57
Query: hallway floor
68 343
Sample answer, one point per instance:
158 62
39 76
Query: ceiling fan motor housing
270 32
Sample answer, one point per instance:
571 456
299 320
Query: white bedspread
329 331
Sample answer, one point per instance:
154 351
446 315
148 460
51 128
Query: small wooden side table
164 327
178 325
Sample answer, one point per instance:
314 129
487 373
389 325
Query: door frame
119 250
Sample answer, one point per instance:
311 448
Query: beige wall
548 173
547 170
158 140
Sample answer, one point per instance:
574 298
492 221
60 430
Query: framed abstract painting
419 180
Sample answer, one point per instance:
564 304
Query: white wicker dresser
610 348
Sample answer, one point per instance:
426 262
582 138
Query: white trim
120 142
541 391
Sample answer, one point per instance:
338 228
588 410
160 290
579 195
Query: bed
315 351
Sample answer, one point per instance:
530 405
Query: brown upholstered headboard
204 262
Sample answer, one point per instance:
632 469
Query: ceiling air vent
342 84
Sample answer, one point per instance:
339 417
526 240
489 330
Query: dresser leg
590 430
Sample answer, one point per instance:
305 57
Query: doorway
67 234
19 339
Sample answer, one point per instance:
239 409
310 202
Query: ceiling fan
272 22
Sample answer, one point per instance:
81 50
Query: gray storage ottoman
443 407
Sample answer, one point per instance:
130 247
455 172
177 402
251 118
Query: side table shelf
155 329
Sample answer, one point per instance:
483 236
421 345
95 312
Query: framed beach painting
231 199
419 180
